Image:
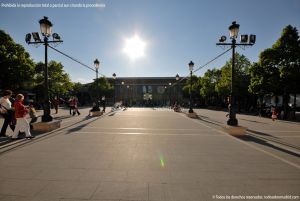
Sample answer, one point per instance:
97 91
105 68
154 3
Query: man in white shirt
6 112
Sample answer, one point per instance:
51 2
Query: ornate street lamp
165 96
128 99
233 33
170 84
46 30
191 66
114 77
177 79
97 66
123 93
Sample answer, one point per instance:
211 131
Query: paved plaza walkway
153 154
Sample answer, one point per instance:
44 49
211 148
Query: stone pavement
281 131
63 114
145 154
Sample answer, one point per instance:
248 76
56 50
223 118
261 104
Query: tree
208 85
17 68
287 49
77 87
195 87
264 77
242 80
278 69
100 87
59 81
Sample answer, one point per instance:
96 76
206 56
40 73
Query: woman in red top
22 123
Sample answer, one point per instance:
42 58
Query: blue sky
175 31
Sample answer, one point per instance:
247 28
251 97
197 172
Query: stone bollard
96 113
46 126
235 130
192 115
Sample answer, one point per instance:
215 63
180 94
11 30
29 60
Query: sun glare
134 47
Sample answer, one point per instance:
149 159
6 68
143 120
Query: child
20 113
274 115
32 115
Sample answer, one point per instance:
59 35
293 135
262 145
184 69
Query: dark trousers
7 121
103 105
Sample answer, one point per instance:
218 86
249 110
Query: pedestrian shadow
207 120
21 136
78 128
250 138
261 133
63 117
253 121
81 126
4 140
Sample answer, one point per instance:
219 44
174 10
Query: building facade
147 91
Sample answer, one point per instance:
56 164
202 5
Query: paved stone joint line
151 161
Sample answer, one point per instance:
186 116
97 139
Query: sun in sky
134 47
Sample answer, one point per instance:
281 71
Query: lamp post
128 99
170 84
114 77
46 29
123 96
233 33
97 66
191 66
177 79
165 96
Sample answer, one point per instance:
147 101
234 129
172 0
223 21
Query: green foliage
208 82
242 77
215 85
278 68
195 87
77 87
100 87
287 49
223 86
257 81
59 81
17 68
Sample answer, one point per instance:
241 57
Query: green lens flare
162 161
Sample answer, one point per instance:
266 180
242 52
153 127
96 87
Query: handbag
3 110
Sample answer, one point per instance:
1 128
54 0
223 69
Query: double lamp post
233 32
46 30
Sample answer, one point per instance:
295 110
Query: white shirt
5 102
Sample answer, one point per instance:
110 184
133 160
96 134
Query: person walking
274 114
71 105
55 103
7 112
74 102
22 123
103 103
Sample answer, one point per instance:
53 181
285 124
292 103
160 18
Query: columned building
147 91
